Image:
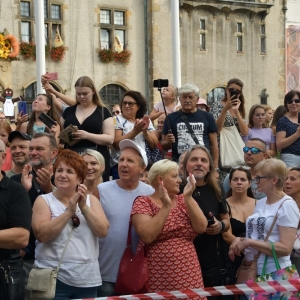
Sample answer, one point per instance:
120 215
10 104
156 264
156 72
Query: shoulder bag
133 275
288 273
42 282
249 272
231 147
189 127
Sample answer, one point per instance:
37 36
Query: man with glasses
116 110
254 151
190 126
15 220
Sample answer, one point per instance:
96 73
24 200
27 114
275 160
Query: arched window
111 94
217 94
30 93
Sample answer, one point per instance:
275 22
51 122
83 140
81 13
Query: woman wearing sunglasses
241 204
258 129
288 131
270 177
134 125
292 188
230 112
55 214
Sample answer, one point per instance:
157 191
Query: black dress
92 124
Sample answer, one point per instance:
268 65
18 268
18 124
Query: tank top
80 265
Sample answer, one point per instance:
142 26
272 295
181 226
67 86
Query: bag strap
263 272
189 127
65 248
271 228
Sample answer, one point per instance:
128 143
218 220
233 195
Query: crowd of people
164 173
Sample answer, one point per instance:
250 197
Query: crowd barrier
237 289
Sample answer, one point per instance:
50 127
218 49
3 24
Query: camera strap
189 127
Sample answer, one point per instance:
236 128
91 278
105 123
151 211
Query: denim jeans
66 292
106 289
291 160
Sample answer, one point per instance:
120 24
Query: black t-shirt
15 209
92 124
207 245
202 124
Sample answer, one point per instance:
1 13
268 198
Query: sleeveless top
80 265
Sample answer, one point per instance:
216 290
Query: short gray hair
189 88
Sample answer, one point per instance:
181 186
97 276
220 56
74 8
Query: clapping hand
163 194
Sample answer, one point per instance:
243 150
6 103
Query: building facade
220 39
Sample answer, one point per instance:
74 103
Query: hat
203 101
15 134
130 144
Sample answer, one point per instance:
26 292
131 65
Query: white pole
40 43
176 43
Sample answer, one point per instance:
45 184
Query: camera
210 220
159 83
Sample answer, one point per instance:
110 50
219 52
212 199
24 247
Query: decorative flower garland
9 46
108 55
28 50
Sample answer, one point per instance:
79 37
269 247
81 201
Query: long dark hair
241 97
279 112
51 113
249 177
210 178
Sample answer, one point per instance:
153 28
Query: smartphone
210 220
46 120
159 83
298 118
52 75
22 107
234 93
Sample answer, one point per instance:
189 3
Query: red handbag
133 275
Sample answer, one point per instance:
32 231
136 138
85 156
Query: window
111 94
264 97
53 20
262 39
202 33
217 94
112 24
239 37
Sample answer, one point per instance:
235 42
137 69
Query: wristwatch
222 226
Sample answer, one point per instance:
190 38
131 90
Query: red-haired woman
54 215
5 130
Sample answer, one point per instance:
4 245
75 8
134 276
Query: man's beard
39 163
21 162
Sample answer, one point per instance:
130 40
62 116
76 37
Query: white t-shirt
127 126
258 225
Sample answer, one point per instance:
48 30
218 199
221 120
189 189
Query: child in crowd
169 96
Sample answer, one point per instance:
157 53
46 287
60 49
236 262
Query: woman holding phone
230 112
43 103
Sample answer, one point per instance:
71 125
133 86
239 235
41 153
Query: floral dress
216 110
172 259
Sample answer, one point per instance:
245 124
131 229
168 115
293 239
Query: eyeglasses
130 104
75 220
116 112
253 150
258 178
231 90
293 100
242 167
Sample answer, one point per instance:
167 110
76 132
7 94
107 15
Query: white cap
130 144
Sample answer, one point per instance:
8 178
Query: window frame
239 37
48 20
202 34
111 27
263 39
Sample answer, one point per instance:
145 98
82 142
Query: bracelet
222 226
85 211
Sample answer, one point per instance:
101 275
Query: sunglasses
130 104
242 167
293 100
253 150
238 92
116 112
75 220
